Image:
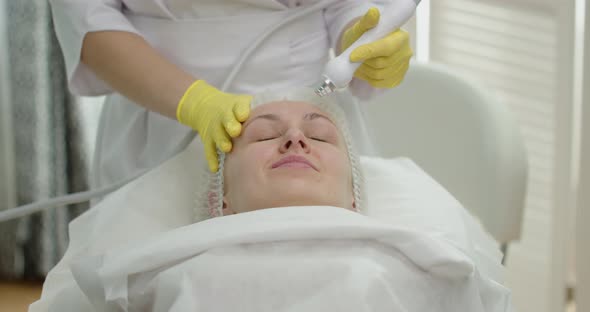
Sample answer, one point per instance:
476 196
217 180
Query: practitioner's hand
385 61
215 115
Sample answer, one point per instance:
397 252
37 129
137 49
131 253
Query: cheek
246 162
336 161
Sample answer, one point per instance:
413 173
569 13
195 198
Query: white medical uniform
205 38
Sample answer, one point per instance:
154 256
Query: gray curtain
49 144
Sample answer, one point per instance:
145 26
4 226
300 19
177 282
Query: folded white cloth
289 259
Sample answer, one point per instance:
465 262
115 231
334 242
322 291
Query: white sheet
401 193
289 259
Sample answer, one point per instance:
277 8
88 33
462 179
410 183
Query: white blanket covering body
289 259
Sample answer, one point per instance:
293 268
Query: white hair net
210 201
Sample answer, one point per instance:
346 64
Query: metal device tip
326 88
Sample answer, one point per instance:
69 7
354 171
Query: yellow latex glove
215 115
385 61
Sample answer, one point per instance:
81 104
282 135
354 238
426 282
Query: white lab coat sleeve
73 19
340 14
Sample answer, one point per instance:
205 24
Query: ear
226 210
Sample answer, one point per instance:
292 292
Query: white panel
583 213
564 194
7 180
583 210
422 31
520 50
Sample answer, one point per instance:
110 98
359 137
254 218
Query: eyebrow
273 117
312 116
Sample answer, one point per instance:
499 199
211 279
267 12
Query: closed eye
266 139
319 140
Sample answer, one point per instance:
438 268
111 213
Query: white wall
7 191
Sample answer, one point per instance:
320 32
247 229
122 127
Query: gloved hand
215 115
385 61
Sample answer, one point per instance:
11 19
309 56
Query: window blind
518 49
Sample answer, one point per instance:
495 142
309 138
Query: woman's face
289 154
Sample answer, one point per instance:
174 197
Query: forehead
287 109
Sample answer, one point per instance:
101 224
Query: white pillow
401 193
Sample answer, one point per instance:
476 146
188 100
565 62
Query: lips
294 161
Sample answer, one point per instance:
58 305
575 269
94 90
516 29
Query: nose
294 139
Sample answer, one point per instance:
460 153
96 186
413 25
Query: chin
295 196
298 186
302 190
